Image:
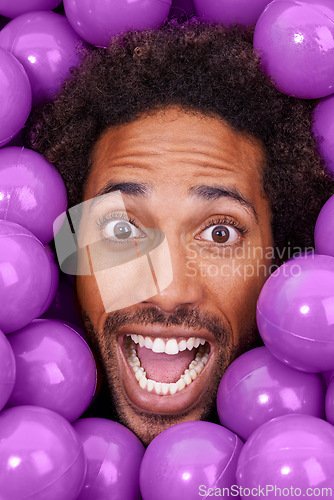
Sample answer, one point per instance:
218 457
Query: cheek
234 285
89 297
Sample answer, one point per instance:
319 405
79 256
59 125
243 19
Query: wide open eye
122 230
220 233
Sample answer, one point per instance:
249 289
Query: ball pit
37 49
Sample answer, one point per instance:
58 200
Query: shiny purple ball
15 92
33 193
295 313
41 457
55 368
257 387
47 47
289 451
25 276
323 129
324 229
295 41
113 455
230 11
185 457
97 21
9 8
7 370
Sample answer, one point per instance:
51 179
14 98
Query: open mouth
144 351
165 374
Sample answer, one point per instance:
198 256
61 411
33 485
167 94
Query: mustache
186 317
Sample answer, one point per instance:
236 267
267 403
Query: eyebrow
211 193
129 188
204 192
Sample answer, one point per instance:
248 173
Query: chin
147 424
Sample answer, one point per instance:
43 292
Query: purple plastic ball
55 368
33 193
257 387
295 313
9 8
15 92
290 451
7 370
47 47
113 455
41 456
295 40
324 229
97 21
25 276
186 456
323 129
230 11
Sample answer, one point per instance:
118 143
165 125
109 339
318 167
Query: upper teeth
194 369
172 346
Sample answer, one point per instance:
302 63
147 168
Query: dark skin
173 153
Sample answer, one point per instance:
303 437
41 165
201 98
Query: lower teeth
162 388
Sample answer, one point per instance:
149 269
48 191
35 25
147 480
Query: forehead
176 147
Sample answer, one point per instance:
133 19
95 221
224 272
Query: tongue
164 367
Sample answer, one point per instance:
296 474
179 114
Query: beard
104 345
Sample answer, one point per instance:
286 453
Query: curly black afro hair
203 67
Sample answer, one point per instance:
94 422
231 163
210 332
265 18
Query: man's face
199 182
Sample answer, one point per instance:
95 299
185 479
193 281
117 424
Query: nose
186 286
